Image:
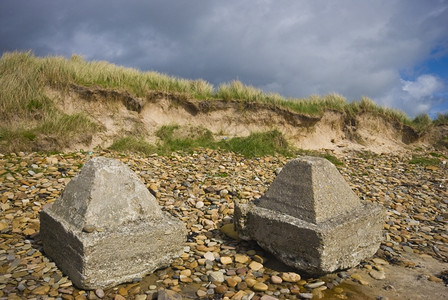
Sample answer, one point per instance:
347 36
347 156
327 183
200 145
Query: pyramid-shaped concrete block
311 219
107 228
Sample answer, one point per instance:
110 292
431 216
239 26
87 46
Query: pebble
225 260
216 276
241 258
255 266
99 293
221 289
209 256
276 279
260 287
314 285
379 275
291 277
267 297
88 228
201 293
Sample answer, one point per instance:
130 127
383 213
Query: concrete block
311 219
106 228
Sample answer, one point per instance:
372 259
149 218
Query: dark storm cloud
296 48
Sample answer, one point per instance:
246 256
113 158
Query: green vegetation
425 161
133 144
258 144
442 119
333 159
174 138
421 122
28 116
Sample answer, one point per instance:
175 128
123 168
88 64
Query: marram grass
24 104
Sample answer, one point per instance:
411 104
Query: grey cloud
296 48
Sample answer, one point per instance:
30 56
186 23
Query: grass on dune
25 75
25 110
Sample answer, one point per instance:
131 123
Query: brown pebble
260 287
41 290
221 289
241 286
255 266
231 282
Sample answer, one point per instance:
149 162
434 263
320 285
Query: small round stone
241 258
216 276
378 275
225 260
99 293
276 279
260 287
250 282
201 293
291 277
221 289
231 282
88 228
255 266
209 256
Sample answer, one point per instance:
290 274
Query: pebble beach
200 188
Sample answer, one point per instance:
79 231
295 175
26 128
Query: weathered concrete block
106 228
311 219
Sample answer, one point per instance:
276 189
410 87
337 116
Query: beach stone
168 295
225 260
241 258
290 277
276 279
216 276
260 287
99 293
267 297
379 275
255 266
201 293
310 219
136 236
229 230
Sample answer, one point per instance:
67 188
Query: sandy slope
119 114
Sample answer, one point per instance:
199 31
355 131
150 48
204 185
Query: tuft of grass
424 161
421 122
51 134
442 119
258 144
435 154
172 139
333 159
133 144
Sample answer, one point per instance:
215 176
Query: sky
392 51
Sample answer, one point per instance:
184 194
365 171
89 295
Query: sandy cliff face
118 113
